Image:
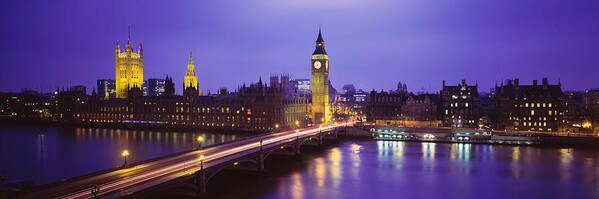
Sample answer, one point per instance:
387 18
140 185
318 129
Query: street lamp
297 123
125 154
276 126
200 140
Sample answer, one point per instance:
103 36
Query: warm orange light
125 153
235 164
200 139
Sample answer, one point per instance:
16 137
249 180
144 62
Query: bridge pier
261 160
320 136
297 147
200 181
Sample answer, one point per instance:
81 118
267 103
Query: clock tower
321 111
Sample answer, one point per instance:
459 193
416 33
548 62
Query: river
45 154
348 169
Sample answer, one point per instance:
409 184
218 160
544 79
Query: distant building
591 104
79 88
529 107
301 87
144 88
402 88
155 87
351 101
106 88
421 110
129 69
190 85
384 108
459 105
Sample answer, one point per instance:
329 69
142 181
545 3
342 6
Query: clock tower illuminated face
317 64
321 112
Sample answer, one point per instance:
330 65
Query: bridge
193 169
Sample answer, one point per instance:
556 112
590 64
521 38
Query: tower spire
319 40
129 33
319 44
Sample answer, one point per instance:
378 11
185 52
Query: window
532 112
466 104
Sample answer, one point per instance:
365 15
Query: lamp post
201 162
200 140
125 154
296 123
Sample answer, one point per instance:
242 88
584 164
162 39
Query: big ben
321 112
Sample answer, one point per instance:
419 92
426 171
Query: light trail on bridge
184 164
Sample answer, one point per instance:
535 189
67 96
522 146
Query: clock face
317 64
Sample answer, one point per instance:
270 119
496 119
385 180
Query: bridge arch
229 164
280 148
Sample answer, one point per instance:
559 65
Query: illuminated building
528 107
320 83
351 102
106 88
301 87
460 105
591 103
129 69
190 86
156 87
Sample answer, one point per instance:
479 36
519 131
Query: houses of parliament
255 107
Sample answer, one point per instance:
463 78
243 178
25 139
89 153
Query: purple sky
372 44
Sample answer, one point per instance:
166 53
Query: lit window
532 112
466 104
526 104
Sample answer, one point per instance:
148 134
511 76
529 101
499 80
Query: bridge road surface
126 181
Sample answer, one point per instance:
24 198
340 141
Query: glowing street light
297 123
125 153
276 126
200 140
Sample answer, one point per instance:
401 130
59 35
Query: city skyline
484 45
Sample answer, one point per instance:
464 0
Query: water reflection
47 154
428 150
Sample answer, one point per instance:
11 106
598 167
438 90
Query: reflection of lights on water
464 151
298 187
356 148
566 156
428 150
321 171
516 153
